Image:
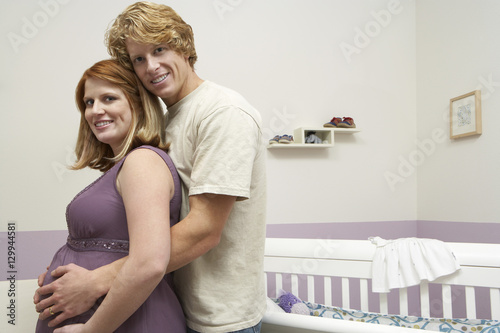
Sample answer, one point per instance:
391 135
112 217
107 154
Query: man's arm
201 230
77 289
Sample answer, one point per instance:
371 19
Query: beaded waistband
98 244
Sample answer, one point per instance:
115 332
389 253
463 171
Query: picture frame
465 115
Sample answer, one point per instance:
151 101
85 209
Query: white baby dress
405 262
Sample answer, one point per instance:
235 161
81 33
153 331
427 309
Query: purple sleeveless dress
98 235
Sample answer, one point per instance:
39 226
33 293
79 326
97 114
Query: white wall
458 51
375 86
284 56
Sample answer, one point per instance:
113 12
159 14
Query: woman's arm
146 186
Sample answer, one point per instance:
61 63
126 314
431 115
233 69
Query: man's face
161 70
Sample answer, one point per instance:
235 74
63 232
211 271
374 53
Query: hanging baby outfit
405 262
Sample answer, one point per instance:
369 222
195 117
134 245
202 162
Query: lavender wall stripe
344 230
461 232
34 251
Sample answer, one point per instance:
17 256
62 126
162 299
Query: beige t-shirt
217 147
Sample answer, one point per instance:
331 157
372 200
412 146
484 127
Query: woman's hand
71 294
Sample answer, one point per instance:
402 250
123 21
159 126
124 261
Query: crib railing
338 273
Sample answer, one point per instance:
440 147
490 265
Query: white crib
307 268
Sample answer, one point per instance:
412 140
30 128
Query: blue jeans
255 329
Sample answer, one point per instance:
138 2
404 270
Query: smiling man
217 147
162 70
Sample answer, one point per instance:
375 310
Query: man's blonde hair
150 23
147 127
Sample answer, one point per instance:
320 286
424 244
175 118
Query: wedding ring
50 311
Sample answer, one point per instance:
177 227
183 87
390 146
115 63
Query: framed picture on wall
465 115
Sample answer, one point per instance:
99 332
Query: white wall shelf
326 134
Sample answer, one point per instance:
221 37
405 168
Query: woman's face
107 112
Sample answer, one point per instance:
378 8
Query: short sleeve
226 144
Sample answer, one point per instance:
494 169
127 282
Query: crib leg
345 293
384 307
495 303
363 286
424 300
447 301
470 302
403 301
310 289
328 290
